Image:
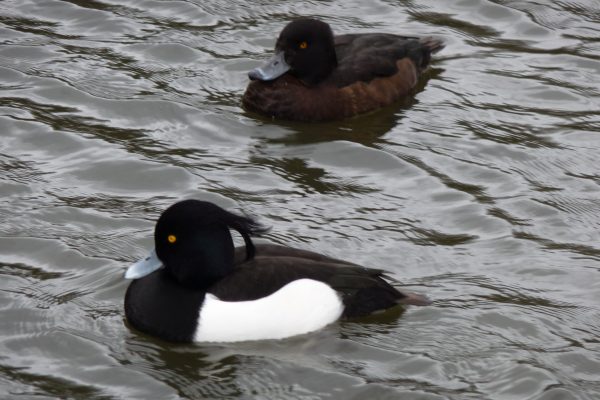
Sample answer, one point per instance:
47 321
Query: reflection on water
480 190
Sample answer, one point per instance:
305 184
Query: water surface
481 191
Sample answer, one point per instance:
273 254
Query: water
482 191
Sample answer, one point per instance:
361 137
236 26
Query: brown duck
316 76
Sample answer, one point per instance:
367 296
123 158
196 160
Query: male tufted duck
196 287
316 76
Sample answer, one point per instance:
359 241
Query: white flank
299 307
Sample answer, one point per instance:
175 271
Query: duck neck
314 75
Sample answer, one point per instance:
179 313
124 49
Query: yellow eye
172 238
303 45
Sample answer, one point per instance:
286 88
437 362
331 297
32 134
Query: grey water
482 191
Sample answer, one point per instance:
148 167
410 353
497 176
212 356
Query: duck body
266 292
334 77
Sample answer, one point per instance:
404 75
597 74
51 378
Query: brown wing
364 57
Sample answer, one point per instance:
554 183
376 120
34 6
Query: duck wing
364 57
362 290
275 250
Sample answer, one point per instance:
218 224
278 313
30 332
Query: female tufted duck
196 287
316 76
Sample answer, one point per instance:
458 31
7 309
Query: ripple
479 189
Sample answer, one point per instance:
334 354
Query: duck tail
428 46
414 299
432 44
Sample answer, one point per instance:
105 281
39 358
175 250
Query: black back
363 290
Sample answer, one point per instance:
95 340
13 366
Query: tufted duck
316 76
196 287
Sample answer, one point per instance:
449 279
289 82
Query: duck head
305 49
194 245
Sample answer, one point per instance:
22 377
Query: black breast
156 305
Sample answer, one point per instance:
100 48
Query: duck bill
144 267
273 69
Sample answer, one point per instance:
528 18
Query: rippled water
481 191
